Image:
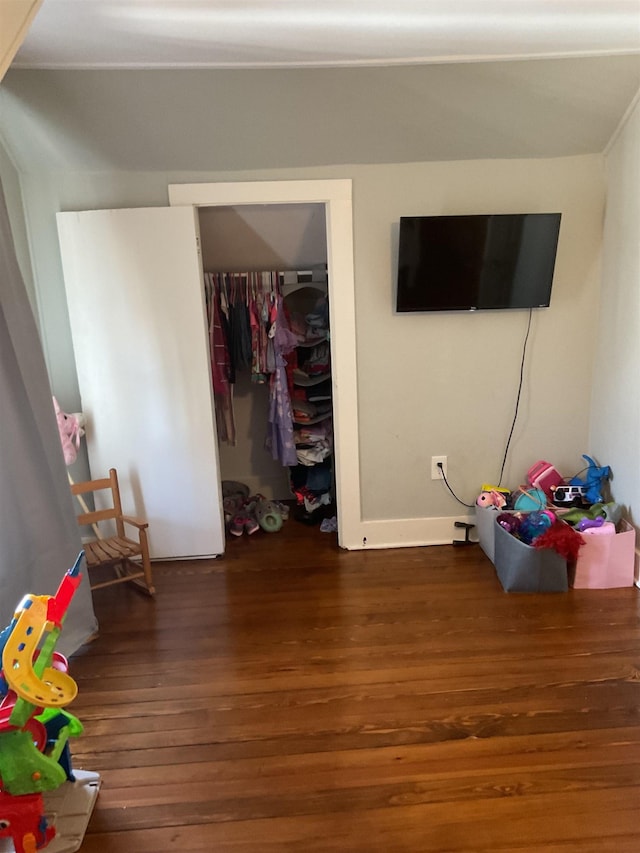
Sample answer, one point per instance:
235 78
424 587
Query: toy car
567 495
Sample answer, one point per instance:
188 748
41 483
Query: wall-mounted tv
476 262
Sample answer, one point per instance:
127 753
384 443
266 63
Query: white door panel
136 306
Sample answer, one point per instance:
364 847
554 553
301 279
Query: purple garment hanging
280 432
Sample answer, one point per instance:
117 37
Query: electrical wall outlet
436 471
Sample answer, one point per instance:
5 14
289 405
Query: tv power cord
515 414
440 467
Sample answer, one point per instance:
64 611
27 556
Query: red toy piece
32 676
22 819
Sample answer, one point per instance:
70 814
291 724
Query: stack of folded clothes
314 443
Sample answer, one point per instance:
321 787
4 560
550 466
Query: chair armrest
135 522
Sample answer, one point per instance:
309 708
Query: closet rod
316 275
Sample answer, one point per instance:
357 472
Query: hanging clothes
249 329
259 316
234 286
220 364
280 438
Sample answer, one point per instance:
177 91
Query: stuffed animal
491 498
594 480
71 431
608 512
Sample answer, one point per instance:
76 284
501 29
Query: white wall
615 408
426 384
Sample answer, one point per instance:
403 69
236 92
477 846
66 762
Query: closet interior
266 289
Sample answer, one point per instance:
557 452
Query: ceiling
234 85
279 33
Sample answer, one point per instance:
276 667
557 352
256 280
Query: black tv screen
468 263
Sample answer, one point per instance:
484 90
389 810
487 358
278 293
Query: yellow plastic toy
50 689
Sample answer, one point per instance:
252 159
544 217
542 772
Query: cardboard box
523 568
606 561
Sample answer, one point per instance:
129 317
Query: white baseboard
407 532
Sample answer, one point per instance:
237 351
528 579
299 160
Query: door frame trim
336 196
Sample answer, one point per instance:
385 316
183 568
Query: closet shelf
304 381
288 289
313 342
315 420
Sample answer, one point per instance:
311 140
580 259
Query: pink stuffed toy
71 431
491 498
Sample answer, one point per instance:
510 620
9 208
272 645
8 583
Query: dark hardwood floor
295 697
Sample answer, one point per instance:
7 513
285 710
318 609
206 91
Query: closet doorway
288 225
277 253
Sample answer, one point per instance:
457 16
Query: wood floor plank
295 697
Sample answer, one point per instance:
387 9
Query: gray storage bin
485 526
522 568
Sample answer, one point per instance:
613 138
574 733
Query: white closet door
138 322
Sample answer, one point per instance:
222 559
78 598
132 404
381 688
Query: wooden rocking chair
117 551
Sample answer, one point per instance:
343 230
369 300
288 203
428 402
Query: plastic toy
533 524
488 487
594 480
23 821
542 475
527 526
34 730
510 521
528 500
568 495
588 523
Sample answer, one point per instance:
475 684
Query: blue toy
594 480
533 524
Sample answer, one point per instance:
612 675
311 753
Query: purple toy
586 523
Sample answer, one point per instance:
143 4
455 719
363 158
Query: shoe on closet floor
251 518
250 524
231 507
237 524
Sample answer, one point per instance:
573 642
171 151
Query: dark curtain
39 536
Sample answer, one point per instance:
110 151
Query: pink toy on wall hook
71 431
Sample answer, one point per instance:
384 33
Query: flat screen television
476 262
